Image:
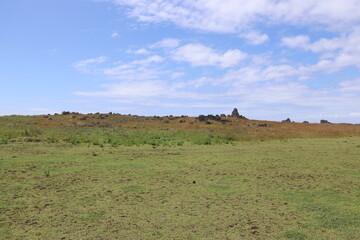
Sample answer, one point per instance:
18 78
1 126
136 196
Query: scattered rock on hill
305 122
203 118
224 121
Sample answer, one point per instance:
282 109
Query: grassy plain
157 180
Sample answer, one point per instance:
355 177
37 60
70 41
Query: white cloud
166 43
129 90
86 65
321 45
300 41
151 59
177 74
237 15
200 55
114 34
135 70
255 38
248 74
350 85
141 51
127 72
337 53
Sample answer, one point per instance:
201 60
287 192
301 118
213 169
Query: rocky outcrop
286 120
235 114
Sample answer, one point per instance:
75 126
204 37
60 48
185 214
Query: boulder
324 121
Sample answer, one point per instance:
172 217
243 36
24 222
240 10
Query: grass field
157 180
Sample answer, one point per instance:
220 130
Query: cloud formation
336 53
239 15
200 55
255 38
166 43
86 66
250 62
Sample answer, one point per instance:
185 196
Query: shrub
4 140
72 139
47 173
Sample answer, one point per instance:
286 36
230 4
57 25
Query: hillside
169 130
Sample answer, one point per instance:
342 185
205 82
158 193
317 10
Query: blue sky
272 59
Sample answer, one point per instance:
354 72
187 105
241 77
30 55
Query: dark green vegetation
88 187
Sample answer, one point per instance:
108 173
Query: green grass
293 189
113 136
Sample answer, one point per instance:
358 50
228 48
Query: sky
271 59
